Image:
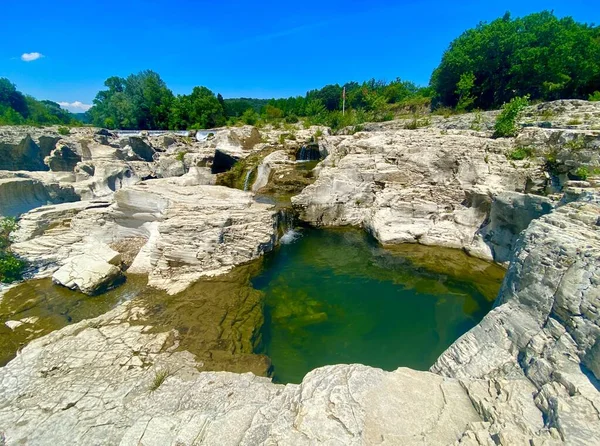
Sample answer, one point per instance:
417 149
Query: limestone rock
19 194
63 158
90 273
191 230
416 186
270 162
545 326
510 214
24 148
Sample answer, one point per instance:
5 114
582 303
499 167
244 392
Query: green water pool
336 296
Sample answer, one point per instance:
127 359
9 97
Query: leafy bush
416 123
64 131
506 122
464 87
595 96
520 153
582 173
576 144
478 121
540 54
11 267
7 225
250 117
574 121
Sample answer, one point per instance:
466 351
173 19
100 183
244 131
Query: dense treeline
143 101
538 55
17 108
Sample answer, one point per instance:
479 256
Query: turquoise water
335 296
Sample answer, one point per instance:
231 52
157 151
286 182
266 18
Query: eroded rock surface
416 186
191 231
545 328
105 380
527 374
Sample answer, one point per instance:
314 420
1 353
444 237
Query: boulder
246 136
136 148
62 159
87 273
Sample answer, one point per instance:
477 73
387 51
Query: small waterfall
247 180
303 154
286 222
310 153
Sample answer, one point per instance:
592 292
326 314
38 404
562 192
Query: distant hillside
18 108
84 118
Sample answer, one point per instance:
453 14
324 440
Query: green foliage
506 122
199 110
270 112
140 101
582 173
64 131
417 122
520 153
595 96
17 108
538 55
478 121
180 155
576 144
7 225
11 267
574 121
250 117
464 88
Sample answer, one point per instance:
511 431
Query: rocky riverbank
527 374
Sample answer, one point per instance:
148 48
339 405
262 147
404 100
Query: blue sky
257 49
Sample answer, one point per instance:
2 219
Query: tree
141 101
464 87
540 55
200 110
272 112
11 98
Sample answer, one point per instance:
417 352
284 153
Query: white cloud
30 57
76 106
